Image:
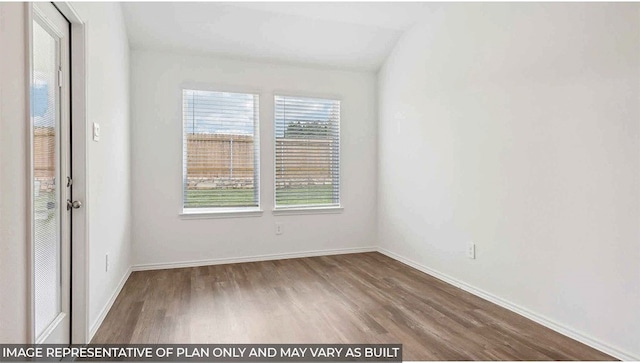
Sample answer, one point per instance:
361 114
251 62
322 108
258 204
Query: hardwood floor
356 298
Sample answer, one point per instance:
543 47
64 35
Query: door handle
75 204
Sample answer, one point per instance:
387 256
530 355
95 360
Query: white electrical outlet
278 228
471 250
106 262
96 132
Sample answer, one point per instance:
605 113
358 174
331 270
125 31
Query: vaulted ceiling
345 35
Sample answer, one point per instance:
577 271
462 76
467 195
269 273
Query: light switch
96 132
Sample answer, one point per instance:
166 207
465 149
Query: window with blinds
220 150
307 148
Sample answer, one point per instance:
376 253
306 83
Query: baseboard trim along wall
107 307
269 257
564 330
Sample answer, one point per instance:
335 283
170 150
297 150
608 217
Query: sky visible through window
309 111
233 113
219 112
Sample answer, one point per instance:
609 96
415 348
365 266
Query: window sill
307 210
220 213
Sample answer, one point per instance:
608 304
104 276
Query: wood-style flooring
355 298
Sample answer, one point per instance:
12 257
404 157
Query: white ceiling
343 35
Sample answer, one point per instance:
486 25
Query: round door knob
75 204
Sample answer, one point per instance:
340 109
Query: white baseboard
549 323
269 257
108 305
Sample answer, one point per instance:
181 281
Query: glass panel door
50 121
45 117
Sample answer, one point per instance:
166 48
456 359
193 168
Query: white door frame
79 171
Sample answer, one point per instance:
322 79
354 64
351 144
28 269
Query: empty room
319 181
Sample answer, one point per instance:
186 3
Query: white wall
516 126
14 129
160 236
109 159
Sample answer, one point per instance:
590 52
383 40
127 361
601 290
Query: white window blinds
307 147
220 150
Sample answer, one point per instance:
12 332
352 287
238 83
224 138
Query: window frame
218 212
307 209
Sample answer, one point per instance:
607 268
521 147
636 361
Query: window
220 150
307 147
